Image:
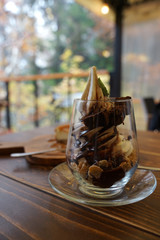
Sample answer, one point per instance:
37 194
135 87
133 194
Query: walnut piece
95 171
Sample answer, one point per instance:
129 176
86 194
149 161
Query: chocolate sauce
109 177
94 142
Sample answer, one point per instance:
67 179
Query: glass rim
107 99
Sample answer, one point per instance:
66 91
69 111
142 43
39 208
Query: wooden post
36 114
8 119
116 77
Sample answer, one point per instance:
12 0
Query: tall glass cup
102 150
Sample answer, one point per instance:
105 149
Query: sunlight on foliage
41 37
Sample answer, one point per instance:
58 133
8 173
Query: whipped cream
123 146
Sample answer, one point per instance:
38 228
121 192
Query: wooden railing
49 76
35 78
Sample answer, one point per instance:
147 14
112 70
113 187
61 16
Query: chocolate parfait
99 153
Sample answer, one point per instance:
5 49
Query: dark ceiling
134 11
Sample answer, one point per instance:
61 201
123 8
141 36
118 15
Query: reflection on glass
102 150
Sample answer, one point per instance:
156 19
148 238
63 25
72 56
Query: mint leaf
102 86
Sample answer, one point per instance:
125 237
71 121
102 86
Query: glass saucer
141 185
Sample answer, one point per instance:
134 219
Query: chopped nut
83 170
74 166
103 163
125 165
129 161
95 171
83 167
81 161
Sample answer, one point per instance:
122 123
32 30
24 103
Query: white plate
141 185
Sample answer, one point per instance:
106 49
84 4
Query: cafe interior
130 59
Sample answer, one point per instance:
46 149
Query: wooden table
30 209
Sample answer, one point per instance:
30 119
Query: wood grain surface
49 158
27 213
39 143
40 213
